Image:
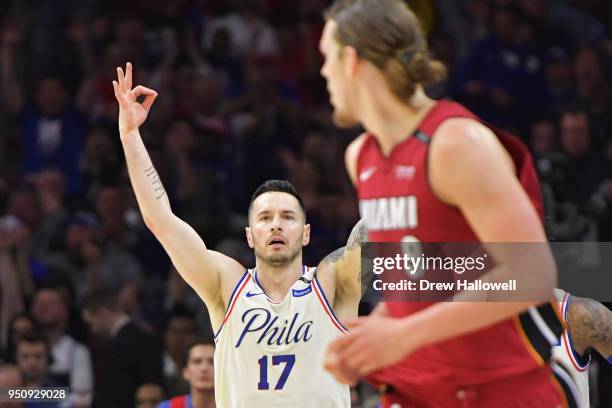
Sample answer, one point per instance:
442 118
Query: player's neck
391 121
277 280
202 399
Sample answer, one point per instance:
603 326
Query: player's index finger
142 90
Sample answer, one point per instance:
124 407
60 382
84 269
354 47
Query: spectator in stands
134 357
52 126
100 162
221 57
91 263
586 168
189 167
10 378
71 365
33 359
572 182
544 136
110 206
593 90
180 296
19 325
249 33
198 371
15 279
559 78
149 395
18 269
502 79
180 331
36 227
117 239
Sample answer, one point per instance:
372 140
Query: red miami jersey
397 204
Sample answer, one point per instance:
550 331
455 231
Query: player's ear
350 58
306 235
249 236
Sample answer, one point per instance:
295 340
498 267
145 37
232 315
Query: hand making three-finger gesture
132 113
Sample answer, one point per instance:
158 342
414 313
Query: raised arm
211 274
590 326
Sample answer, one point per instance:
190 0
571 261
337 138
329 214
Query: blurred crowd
240 101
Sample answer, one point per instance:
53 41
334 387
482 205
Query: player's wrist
413 333
125 132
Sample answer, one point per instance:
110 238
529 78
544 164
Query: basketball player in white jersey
274 322
589 327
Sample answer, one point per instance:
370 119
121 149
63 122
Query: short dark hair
282 186
576 108
55 288
101 298
198 341
180 312
35 337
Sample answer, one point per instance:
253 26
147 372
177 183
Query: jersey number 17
288 359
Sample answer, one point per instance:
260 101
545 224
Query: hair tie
405 56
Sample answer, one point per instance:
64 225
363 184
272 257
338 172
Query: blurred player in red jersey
198 371
453 179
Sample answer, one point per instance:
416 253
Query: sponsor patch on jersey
404 172
301 292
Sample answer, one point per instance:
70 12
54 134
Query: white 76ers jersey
565 354
271 354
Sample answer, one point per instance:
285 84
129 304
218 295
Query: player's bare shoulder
462 148
465 137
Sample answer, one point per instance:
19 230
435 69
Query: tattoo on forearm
151 173
590 325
